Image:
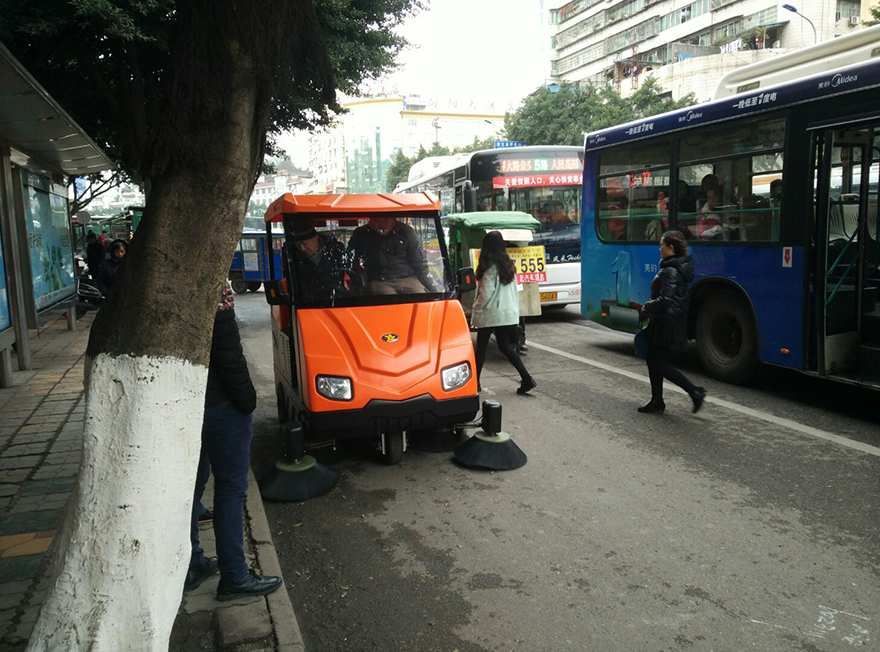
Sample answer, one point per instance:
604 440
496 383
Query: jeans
226 446
504 337
658 369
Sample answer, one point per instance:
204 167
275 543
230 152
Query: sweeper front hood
390 352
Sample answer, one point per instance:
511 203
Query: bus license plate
548 296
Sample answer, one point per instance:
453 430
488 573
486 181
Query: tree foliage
875 17
563 117
111 65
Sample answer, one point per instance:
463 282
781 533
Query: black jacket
228 378
95 255
318 280
107 273
669 302
392 256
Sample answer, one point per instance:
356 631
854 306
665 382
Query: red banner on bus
537 180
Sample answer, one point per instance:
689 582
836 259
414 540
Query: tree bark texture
124 553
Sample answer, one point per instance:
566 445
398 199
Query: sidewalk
41 428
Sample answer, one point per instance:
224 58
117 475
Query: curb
281 613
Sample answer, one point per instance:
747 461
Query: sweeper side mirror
275 294
466 280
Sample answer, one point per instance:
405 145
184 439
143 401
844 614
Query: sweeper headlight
455 376
336 388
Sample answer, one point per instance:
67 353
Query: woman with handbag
496 307
667 328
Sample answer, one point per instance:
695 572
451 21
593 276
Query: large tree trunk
125 550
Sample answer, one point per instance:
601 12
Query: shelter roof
32 122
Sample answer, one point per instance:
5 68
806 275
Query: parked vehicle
466 233
250 264
90 297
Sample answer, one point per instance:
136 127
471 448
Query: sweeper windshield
340 256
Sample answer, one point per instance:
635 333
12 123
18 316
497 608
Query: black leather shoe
654 407
527 386
697 397
252 584
194 578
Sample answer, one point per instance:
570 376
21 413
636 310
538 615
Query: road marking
757 414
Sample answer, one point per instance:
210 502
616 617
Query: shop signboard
49 241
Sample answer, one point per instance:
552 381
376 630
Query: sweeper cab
368 333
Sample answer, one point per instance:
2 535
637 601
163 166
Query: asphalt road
754 525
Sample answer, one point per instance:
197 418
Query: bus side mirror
467 281
275 293
470 197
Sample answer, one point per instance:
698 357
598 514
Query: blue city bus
250 264
776 190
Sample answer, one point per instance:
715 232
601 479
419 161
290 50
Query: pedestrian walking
667 329
496 307
230 400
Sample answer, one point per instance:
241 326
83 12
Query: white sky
475 49
467 50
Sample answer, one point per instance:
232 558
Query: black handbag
641 342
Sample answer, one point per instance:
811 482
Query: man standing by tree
95 254
182 93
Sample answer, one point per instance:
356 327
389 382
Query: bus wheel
239 286
393 448
253 286
727 338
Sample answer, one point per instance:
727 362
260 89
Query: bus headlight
336 388
455 376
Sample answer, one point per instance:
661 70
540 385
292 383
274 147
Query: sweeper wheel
393 448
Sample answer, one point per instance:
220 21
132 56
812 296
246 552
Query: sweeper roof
336 206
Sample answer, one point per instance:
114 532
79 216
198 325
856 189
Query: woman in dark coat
667 329
230 400
110 267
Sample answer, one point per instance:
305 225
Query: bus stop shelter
41 147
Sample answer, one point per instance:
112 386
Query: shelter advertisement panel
5 321
49 242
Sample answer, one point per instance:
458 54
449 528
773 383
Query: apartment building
686 44
354 154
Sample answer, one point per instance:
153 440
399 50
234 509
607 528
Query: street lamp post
436 124
793 9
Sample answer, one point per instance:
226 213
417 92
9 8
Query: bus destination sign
518 165
537 180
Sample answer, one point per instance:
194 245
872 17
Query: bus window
732 193
630 207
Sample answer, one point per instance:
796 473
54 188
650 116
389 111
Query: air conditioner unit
854 20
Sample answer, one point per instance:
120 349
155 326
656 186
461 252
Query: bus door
843 175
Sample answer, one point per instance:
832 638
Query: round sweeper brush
490 448
300 480
297 476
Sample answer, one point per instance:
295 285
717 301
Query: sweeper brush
490 448
297 476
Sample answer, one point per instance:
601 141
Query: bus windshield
544 182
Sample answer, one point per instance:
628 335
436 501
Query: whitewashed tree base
125 549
